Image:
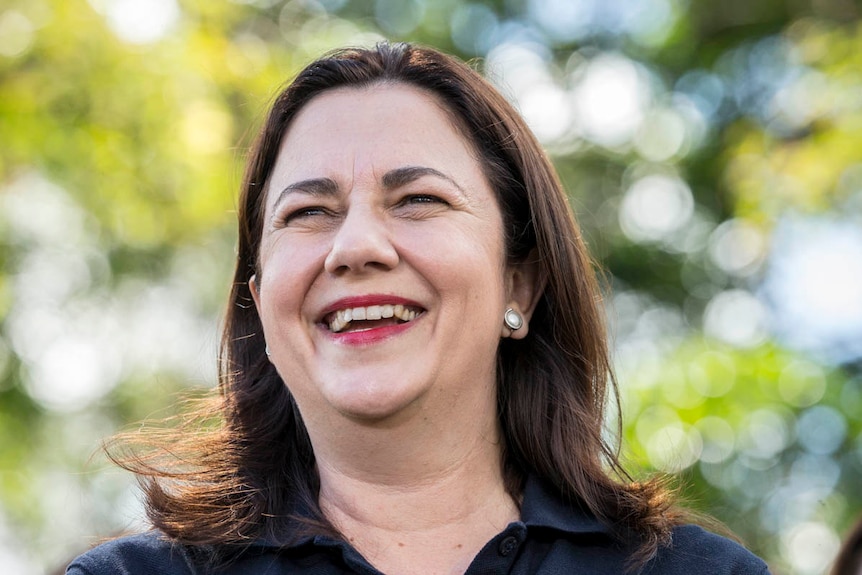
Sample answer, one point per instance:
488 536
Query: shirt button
508 545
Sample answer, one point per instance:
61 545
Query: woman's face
383 283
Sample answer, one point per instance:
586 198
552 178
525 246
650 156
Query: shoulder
695 550
149 552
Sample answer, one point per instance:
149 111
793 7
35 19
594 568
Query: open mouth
369 317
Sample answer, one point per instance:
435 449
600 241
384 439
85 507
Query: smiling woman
384 204
414 368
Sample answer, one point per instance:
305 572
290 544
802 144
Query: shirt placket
499 555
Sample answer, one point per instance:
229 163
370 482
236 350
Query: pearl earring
513 319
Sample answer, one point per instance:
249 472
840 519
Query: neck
416 496
428 523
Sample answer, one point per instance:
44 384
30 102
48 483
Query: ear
525 283
254 289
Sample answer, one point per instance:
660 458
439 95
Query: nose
362 243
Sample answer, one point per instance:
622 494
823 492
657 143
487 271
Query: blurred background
712 150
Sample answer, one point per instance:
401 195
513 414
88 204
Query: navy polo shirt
550 538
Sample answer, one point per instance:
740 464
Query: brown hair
239 479
849 558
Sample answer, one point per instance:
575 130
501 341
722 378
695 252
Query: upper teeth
339 320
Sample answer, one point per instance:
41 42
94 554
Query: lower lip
370 336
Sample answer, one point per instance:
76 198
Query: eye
304 213
423 199
420 206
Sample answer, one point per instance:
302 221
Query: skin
376 194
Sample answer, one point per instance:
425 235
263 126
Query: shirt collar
543 506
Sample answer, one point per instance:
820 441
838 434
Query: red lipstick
368 333
368 300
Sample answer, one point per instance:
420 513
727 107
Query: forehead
395 119
376 98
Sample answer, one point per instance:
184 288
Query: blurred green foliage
122 131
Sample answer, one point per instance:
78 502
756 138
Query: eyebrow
398 177
312 186
393 179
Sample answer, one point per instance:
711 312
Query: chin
374 405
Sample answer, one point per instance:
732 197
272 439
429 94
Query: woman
414 368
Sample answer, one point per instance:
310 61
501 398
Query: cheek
463 263
288 269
